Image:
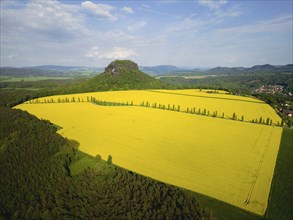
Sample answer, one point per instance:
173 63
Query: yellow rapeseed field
225 159
224 104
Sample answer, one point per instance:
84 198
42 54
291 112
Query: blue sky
204 33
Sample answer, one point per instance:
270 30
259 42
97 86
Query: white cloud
118 53
232 59
93 52
230 12
137 26
145 6
46 19
212 4
115 35
189 24
277 25
37 32
102 10
127 10
115 53
195 23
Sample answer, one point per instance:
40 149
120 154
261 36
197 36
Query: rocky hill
122 75
119 67
118 75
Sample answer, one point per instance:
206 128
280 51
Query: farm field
217 94
225 159
224 104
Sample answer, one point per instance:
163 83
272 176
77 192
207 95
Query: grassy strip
82 164
281 196
81 161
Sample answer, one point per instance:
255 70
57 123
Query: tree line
169 107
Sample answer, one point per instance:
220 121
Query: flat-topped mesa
121 75
118 66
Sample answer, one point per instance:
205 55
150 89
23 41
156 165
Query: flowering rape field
224 104
229 160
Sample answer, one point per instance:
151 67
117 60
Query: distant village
270 89
282 106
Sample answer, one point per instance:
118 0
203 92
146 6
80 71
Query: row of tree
206 112
192 110
78 99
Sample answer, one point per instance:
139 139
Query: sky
203 33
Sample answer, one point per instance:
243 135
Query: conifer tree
268 121
109 161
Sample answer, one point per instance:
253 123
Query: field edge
280 198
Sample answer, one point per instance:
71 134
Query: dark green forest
236 83
20 72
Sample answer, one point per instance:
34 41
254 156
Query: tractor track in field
255 177
200 96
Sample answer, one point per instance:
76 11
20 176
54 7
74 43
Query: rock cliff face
119 66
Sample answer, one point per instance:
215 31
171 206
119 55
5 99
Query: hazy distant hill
225 70
161 70
55 67
66 68
254 69
158 70
267 68
287 68
29 72
48 71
